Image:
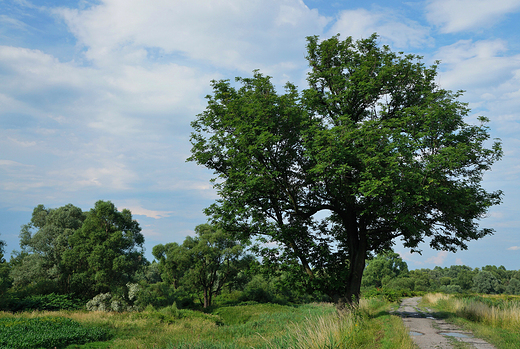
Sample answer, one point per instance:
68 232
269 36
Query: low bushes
42 302
46 332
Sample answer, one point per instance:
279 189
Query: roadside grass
494 318
262 326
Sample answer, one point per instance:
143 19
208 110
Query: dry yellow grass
507 316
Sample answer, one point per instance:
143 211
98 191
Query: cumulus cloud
401 32
453 16
514 248
438 259
476 64
234 34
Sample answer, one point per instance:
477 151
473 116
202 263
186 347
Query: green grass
261 326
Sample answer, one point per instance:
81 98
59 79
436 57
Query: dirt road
431 333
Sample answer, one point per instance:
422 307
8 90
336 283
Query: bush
388 294
101 302
42 302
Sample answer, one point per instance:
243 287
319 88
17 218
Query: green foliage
373 143
203 264
514 286
391 295
385 266
106 251
5 279
38 267
128 301
46 332
43 302
486 282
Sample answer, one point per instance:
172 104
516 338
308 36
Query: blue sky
96 97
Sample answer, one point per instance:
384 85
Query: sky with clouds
96 97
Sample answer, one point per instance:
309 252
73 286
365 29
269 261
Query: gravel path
431 333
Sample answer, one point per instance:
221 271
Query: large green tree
373 145
43 241
105 252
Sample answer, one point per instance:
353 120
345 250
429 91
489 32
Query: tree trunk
207 300
357 241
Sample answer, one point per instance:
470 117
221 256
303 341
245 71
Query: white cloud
514 248
476 64
234 34
10 163
438 259
156 214
392 27
461 15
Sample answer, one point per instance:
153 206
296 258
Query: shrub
101 302
41 302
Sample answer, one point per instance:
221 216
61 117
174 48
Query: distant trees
389 271
66 250
99 254
383 268
486 282
205 263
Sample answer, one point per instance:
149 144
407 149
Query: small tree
204 263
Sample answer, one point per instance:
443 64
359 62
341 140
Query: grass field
494 318
266 326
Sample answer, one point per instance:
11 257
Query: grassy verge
266 326
494 318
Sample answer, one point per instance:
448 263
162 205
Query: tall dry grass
358 327
506 316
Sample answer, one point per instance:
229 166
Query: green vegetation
46 332
372 151
494 318
316 325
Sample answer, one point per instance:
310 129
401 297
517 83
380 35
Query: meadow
268 326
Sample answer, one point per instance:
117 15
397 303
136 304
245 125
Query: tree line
388 270
96 258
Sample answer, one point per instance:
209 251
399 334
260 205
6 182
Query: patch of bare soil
431 333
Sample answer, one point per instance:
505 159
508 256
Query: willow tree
373 151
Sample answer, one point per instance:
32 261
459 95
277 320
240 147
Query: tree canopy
371 152
204 263
104 252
